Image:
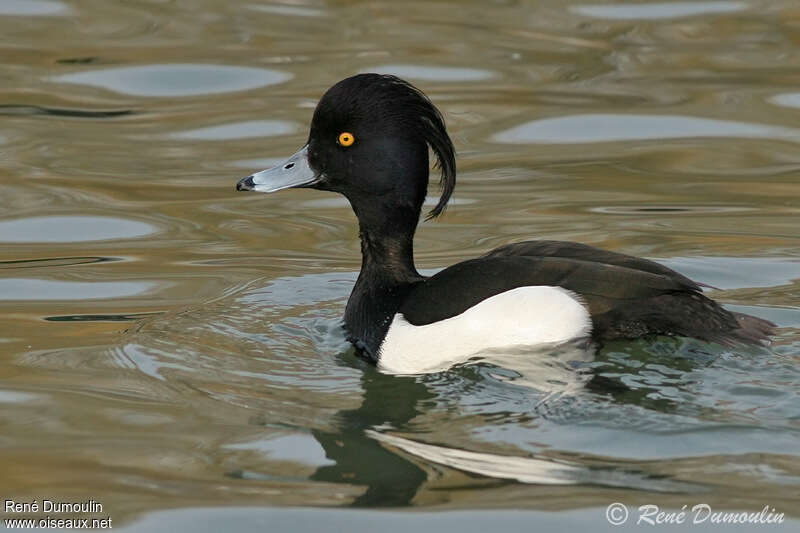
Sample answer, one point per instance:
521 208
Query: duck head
369 141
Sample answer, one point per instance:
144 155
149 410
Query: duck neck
388 257
387 275
387 245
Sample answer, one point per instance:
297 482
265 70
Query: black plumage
626 296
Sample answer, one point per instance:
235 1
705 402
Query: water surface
173 349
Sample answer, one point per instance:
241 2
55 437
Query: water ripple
20 109
657 10
239 130
179 79
787 99
433 73
601 127
32 8
298 11
51 290
72 229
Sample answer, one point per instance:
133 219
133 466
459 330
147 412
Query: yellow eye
346 139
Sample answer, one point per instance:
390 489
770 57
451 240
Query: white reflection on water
602 127
45 289
537 470
239 130
67 229
32 7
659 10
179 79
358 520
523 469
433 73
737 272
298 11
8 396
786 99
298 448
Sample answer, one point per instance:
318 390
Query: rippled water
167 343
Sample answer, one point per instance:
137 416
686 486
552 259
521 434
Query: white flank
525 316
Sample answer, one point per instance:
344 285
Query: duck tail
752 330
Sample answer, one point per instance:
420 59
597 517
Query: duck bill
294 172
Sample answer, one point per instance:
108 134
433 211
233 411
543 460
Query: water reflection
364 452
598 127
52 290
180 79
667 210
784 317
657 10
55 262
297 447
433 73
71 228
149 360
291 10
8 396
19 109
737 272
239 130
279 402
260 383
539 470
787 99
364 444
469 517
33 7
390 479
101 317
